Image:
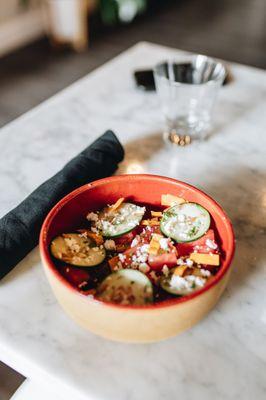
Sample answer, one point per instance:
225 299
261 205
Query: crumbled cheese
109 244
135 241
122 257
210 243
189 262
187 284
144 248
72 244
205 272
110 220
178 282
140 257
165 270
164 244
92 217
199 282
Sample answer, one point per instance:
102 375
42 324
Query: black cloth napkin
20 228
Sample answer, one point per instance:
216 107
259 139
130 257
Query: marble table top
224 357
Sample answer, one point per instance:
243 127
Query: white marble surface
224 357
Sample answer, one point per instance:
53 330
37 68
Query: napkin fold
20 228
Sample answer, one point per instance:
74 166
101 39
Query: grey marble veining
224 357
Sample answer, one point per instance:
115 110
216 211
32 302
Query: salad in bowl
137 257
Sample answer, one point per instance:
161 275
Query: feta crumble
210 243
187 284
205 273
93 217
122 257
189 262
164 244
165 270
109 244
135 241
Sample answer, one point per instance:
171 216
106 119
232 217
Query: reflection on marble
223 357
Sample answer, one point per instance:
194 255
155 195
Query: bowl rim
47 261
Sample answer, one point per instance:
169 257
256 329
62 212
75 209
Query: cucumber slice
181 286
185 222
121 221
78 250
126 287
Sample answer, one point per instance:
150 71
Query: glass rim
190 58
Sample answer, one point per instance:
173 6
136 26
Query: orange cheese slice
170 200
208 259
156 214
180 270
150 222
116 205
94 236
155 244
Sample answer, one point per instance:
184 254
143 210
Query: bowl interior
70 213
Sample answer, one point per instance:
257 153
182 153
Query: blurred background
45 45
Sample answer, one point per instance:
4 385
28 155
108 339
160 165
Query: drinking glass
187 92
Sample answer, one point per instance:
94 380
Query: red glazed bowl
123 323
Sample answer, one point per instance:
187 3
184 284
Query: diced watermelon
157 262
199 245
75 276
126 239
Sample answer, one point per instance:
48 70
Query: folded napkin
20 228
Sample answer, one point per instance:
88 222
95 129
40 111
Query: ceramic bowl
125 323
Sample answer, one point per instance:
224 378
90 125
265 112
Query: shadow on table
243 197
139 151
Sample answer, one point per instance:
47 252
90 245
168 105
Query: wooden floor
228 29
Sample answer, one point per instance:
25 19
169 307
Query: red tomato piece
75 276
157 262
199 245
126 238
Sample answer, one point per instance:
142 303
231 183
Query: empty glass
187 93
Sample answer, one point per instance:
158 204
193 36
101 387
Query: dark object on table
20 228
182 72
145 80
